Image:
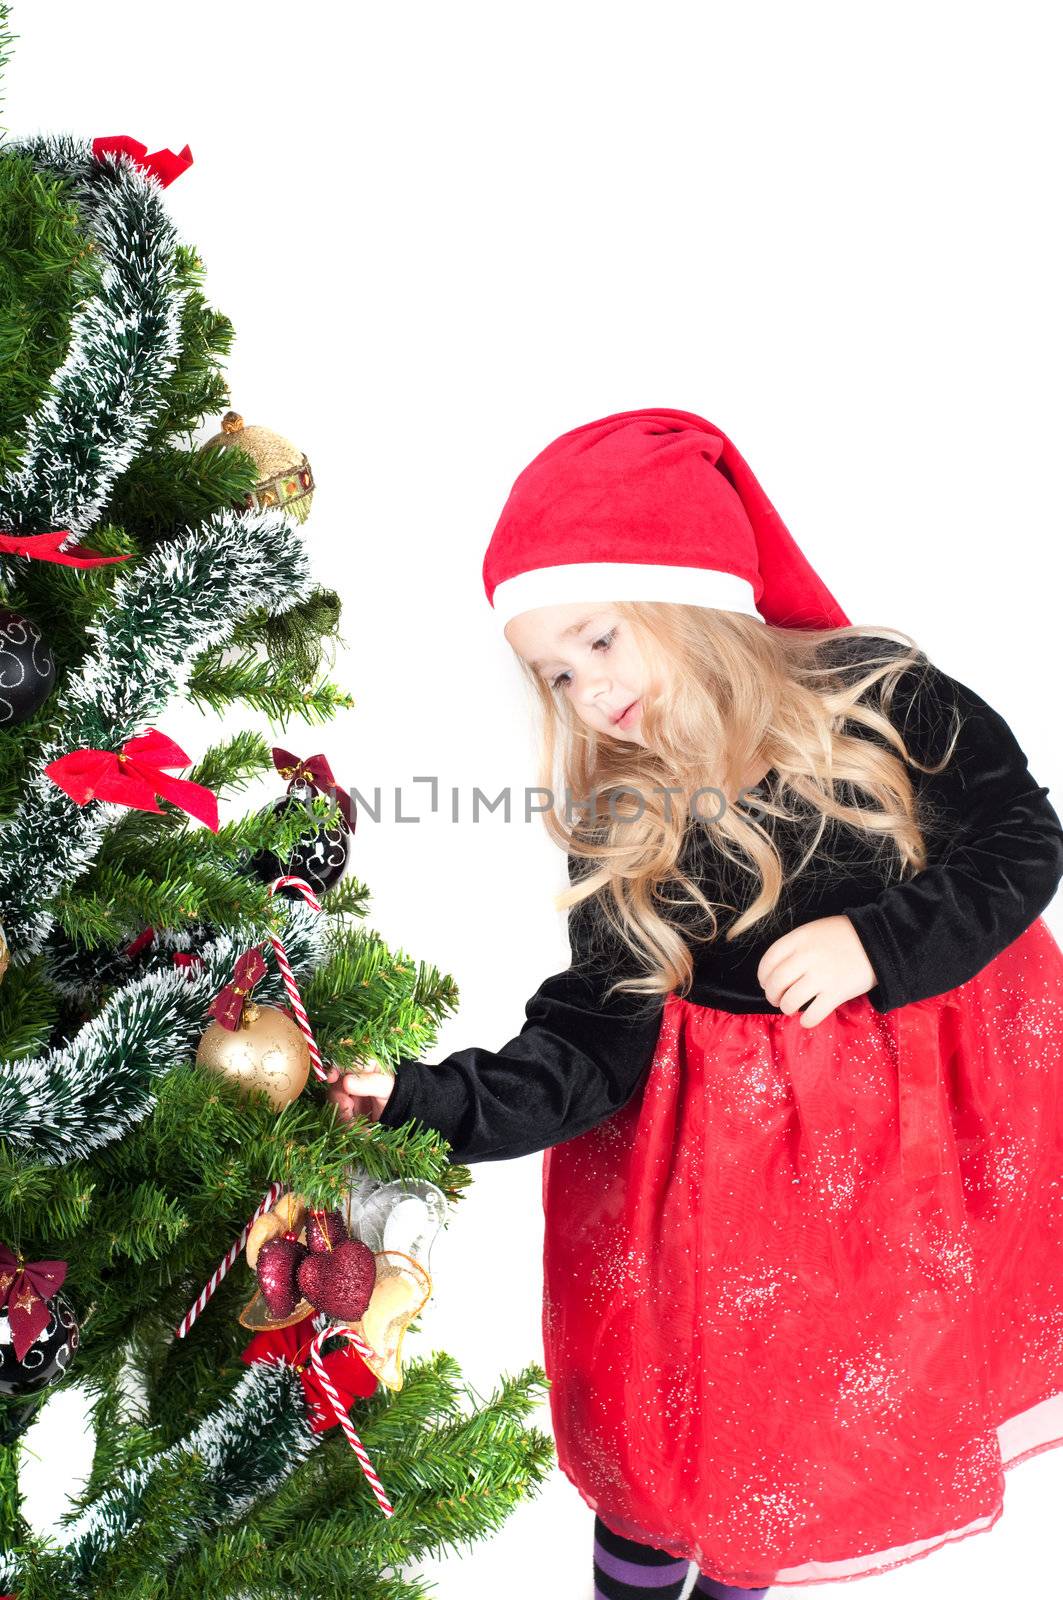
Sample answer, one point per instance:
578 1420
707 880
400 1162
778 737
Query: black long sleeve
575 1061
995 848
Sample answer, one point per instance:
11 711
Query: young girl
799 1089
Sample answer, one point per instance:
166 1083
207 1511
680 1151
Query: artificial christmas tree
222 1467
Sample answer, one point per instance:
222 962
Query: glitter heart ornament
324 1230
339 1281
276 1270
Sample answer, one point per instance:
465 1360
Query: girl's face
588 656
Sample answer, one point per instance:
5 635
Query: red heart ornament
339 1281
324 1230
276 1268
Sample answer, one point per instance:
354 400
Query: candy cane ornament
221 1271
288 975
341 1415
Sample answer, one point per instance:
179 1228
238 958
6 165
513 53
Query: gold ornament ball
266 1052
5 953
285 478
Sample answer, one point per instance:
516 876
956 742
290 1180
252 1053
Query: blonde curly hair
742 695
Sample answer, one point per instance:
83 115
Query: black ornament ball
320 856
47 1357
27 668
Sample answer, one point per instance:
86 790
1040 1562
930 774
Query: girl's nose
594 691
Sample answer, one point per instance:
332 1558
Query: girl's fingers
368 1083
343 1102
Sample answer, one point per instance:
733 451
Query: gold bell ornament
285 478
255 1046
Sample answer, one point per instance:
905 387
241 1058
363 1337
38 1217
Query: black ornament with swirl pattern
320 855
27 668
47 1358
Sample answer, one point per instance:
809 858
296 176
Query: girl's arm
995 849
575 1062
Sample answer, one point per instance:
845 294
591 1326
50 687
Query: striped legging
624 1570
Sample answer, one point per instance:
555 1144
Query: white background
447 233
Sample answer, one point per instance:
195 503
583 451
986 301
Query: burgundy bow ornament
134 776
166 165
25 1289
316 774
228 1006
46 547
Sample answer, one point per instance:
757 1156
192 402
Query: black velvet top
995 857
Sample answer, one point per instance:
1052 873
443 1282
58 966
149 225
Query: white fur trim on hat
622 580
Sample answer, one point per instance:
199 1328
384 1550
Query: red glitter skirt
803 1294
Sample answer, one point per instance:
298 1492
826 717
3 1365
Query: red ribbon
291 1347
187 958
133 777
229 1004
25 1289
45 547
316 773
162 164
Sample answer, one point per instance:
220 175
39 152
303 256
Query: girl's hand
821 961
363 1093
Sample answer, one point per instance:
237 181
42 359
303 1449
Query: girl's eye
604 642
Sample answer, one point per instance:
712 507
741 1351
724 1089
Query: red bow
229 1004
162 164
133 777
316 773
290 1346
25 1289
187 958
45 547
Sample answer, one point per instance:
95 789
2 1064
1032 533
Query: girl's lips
629 715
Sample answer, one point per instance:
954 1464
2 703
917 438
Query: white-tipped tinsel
247 1446
124 344
62 1105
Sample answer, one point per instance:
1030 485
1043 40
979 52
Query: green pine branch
29 1192
219 680
156 871
28 1012
300 638
235 763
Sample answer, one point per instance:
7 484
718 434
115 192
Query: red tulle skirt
803 1294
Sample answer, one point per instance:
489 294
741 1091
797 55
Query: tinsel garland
246 1447
60 1106
124 345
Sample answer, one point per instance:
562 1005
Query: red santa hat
650 505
